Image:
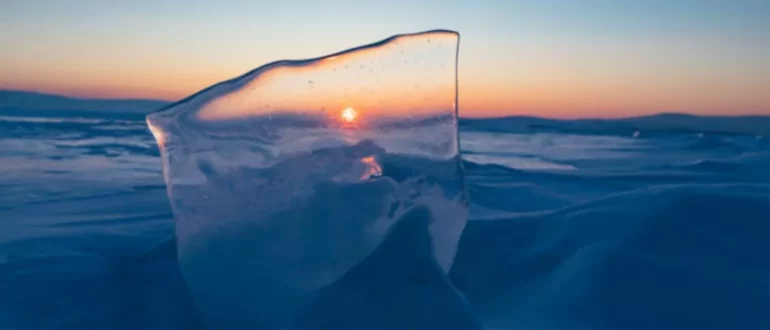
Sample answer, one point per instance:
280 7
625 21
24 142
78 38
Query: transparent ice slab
285 178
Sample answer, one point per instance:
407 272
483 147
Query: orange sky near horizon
573 99
408 75
599 59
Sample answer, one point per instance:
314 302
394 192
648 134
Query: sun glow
349 114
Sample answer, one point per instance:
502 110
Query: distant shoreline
12 99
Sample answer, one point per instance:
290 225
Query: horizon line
170 102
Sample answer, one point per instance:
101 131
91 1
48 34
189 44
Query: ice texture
285 179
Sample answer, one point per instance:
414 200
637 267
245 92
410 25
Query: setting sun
349 114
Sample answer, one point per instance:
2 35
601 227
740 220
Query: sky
564 59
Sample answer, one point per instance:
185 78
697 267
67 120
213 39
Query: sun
349 114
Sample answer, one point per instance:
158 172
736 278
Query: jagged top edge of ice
250 74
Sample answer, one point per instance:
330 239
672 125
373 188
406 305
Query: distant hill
21 101
756 125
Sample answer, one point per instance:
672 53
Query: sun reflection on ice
157 133
373 169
